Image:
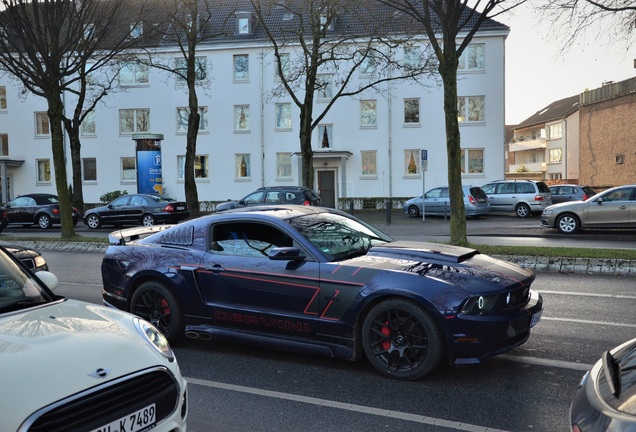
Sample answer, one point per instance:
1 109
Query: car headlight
39 261
547 212
154 337
479 305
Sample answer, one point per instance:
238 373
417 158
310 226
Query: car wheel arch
574 216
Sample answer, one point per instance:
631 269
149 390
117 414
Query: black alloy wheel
402 340
153 302
414 211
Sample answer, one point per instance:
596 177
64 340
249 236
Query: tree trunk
453 149
77 199
306 151
194 118
55 111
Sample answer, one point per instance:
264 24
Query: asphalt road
236 388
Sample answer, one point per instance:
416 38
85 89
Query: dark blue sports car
319 281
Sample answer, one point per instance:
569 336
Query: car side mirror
285 254
599 201
48 278
110 206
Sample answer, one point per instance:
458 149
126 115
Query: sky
538 73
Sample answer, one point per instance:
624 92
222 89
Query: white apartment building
368 146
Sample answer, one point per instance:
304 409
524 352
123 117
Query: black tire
568 224
523 210
414 211
44 221
148 220
93 221
153 302
402 340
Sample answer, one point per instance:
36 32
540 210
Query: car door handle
216 268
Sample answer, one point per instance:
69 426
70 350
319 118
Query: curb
540 264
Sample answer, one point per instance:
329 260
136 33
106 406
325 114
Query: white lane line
545 362
346 406
606 323
572 293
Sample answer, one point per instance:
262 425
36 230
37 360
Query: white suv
524 197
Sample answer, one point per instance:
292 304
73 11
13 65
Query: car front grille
105 403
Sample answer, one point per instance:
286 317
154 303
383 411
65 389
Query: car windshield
18 290
621 393
338 236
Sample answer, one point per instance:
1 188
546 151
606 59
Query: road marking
617 296
606 323
416 418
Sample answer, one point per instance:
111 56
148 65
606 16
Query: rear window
478 194
543 188
526 188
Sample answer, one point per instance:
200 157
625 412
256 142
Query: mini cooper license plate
535 319
138 421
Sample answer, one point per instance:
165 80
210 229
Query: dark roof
555 111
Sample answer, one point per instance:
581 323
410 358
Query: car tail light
585 196
576 428
538 197
56 211
471 199
306 202
169 208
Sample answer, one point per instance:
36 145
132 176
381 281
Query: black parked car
29 257
137 209
275 195
40 209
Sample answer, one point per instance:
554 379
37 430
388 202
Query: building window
200 167
42 124
241 118
243 169
412 57
88 124
411 111
325 136
241 67
283 165
556 155
200 68
324 87
136 30
243 24
411 162
4 145
555 131
128 169
326 22
3 98
369 163
283 64
472 161
283 116
44 170
470 109
134 120
472 58
368 113
183 114
369 66
89 169
133 73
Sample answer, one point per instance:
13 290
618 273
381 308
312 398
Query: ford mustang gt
319 281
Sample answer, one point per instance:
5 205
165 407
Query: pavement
490 230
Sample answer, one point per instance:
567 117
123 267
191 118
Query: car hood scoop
423 251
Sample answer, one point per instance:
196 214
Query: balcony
527 145
530 167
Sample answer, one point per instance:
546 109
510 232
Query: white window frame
3 98
369 66
242 118
86 161
135 120
243 75
42 125
464 111
136 30
412 161
202 173
182 114
555 131
134 74
238 160
324 92
408 101
473 58
555 155
468 164
369 159
128 173
4 145
285 65
369 113
283 166
243 24
321 136
200 66
283 116
88 126
412 55
43 171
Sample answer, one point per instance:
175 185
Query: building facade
367 146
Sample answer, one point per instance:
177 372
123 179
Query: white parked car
67 365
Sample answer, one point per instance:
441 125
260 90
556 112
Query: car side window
20 202
246 239
138 200
255 198
273 197
505 188
444 193
618 195
525 188
489 188
434 193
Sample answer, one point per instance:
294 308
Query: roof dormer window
243 23
136 30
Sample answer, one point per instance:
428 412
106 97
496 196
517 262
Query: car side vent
178 236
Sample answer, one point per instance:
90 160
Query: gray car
524 197
613 208
606 395
570 192
438 202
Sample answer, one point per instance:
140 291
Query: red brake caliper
386 332
164 305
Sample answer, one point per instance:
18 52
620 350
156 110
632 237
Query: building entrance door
327 187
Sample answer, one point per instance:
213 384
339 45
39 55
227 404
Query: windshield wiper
612 370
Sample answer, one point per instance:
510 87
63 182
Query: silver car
524 197
438 202
613 208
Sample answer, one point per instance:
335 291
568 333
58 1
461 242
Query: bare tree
322 46
450 26
189 24
46 46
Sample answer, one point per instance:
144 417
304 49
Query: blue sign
149 178
424 155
